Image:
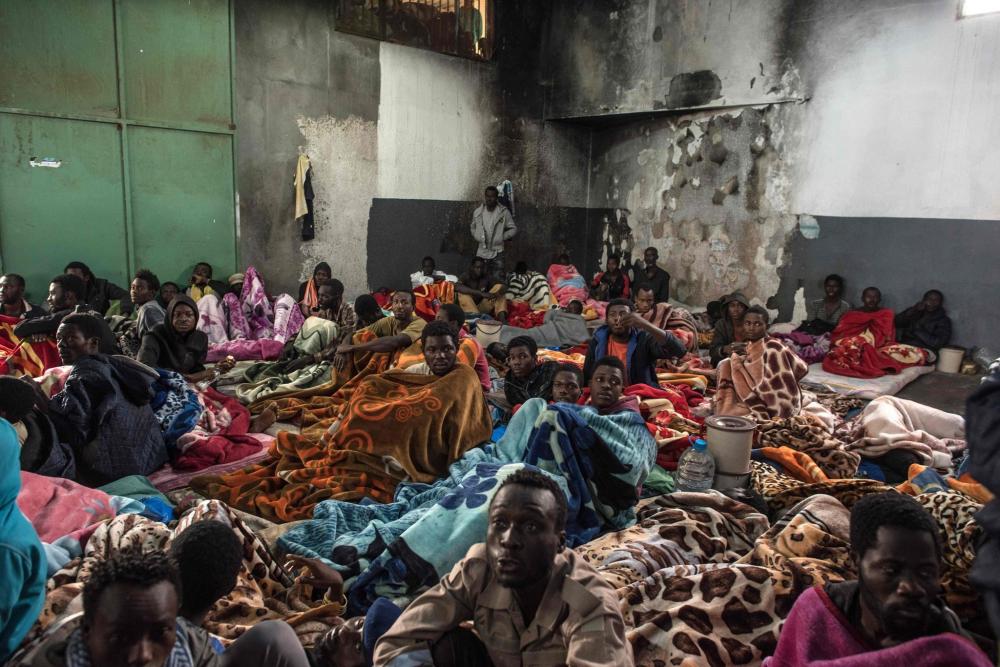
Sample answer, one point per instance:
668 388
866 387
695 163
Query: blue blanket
396 550
175 406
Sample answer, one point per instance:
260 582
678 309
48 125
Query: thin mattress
868 388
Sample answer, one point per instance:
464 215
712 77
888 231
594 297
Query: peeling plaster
800 312
719 212
344 154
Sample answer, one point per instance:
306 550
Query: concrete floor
945 391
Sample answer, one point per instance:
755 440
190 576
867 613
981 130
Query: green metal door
182 200
133 102
51 215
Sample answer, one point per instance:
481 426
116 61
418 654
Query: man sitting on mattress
892 615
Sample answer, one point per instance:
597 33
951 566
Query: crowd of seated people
447 479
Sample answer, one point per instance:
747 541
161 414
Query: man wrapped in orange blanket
395 426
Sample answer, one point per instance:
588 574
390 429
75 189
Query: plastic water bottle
696 468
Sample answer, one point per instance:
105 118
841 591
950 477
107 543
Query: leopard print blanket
763 383
807 434
703 580
782 492
718 613
264 589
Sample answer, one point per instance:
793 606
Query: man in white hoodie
492 224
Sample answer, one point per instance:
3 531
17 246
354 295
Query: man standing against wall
492 224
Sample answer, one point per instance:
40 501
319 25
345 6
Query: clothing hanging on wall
506 192
304 197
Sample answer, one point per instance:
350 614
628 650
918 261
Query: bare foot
264 420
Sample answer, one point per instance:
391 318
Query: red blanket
667 412
220 435
856 347
26 358
520 314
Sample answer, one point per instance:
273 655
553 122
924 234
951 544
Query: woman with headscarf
221 433
177 345
308 291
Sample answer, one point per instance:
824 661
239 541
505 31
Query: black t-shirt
659 283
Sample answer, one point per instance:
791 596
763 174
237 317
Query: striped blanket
532 288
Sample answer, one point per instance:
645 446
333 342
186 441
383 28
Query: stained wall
761 145
402 142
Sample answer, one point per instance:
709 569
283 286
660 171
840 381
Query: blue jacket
22 559
643 351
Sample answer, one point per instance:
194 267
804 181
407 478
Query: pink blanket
816 634
251 317
246 350
60 507
567 284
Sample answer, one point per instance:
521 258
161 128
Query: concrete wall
737 137
300 84
402 143
861 247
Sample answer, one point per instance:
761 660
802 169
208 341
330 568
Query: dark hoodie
724 333
103 414
22 560
163 347
982 429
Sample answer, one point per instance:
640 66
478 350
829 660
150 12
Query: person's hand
632 320
225 365
317 574
340 361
